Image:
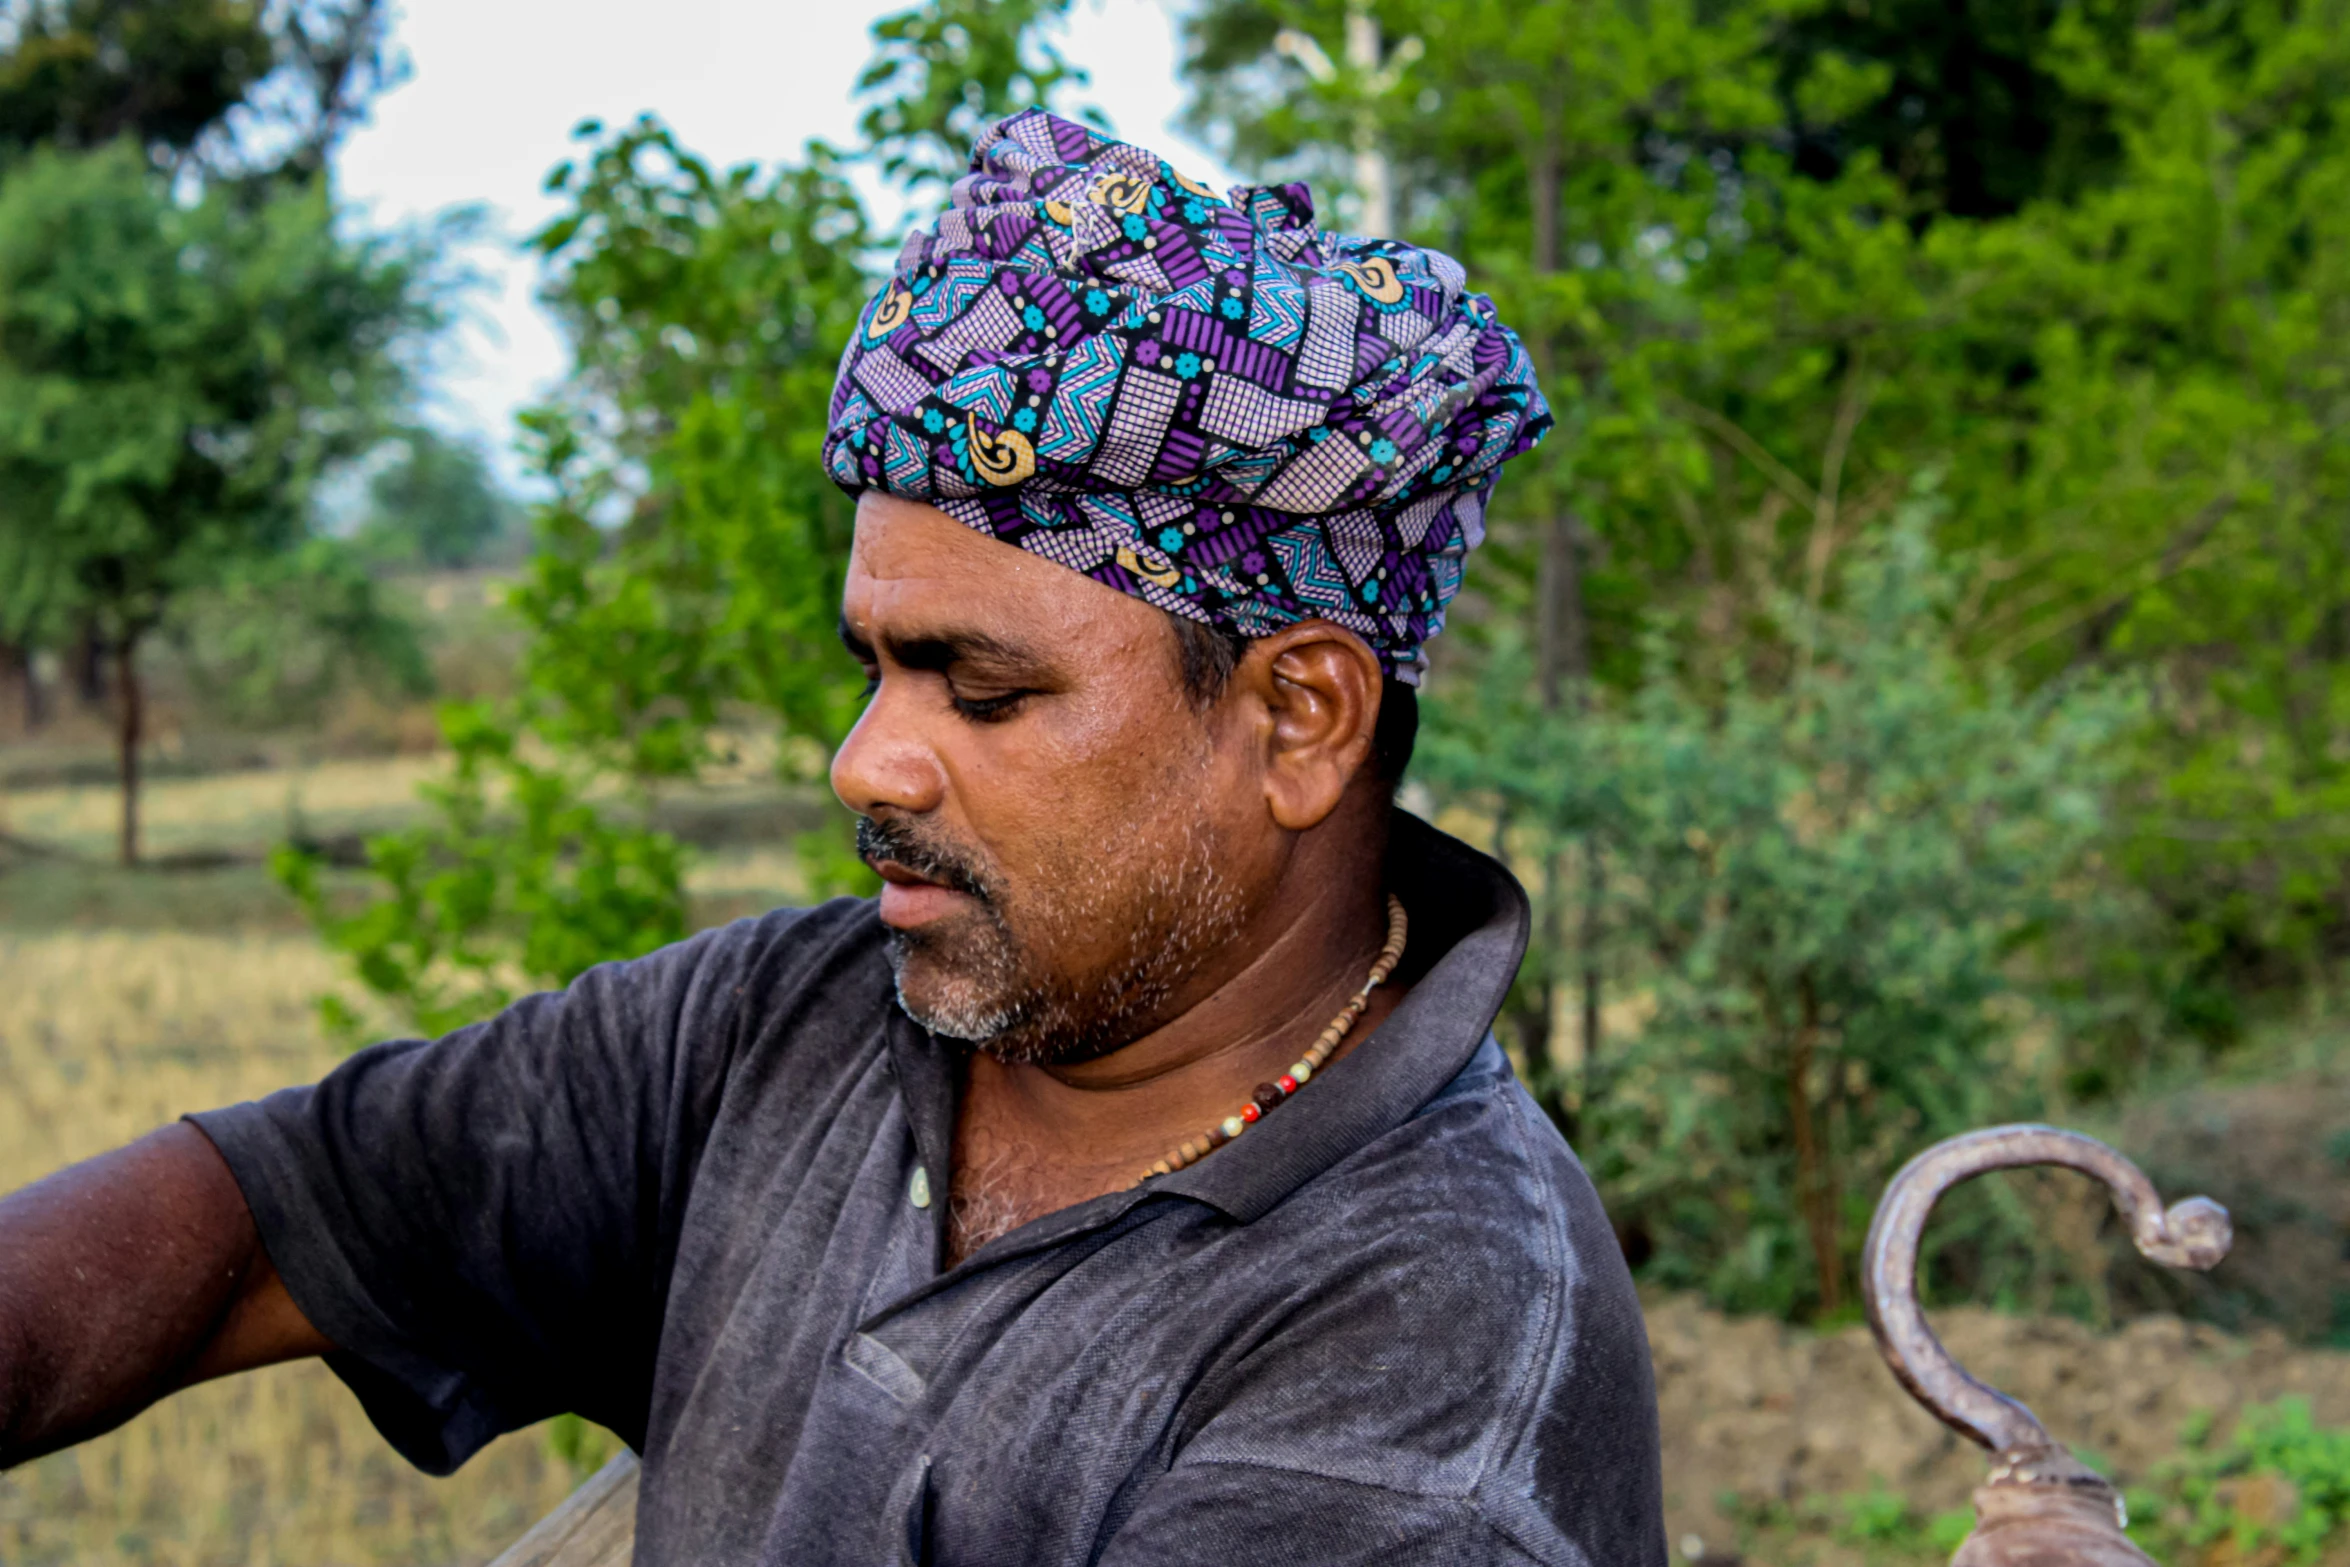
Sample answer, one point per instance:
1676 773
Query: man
1136 1180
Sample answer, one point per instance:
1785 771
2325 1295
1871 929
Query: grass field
105 1034
129 998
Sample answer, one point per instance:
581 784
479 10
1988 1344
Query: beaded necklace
1270 1096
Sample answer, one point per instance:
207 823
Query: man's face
1066 843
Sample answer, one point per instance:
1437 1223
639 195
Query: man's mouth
910 899
920 882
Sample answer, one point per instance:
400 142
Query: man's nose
886 763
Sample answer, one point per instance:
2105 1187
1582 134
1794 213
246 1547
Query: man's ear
1318 686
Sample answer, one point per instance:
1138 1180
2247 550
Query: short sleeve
484 1224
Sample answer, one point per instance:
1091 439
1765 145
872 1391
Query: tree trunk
1815 1194
1563 653
33 705
1372 177
1536 1044
89 669
1544 168
1562 648
1531 1021
130 719
1562 628
1594 889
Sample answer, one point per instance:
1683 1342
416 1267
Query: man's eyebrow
940 650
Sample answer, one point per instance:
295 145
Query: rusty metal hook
2193 1233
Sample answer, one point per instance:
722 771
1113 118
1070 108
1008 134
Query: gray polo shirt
697 1198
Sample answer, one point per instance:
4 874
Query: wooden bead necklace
1270 1096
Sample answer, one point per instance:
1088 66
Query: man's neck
1033 1139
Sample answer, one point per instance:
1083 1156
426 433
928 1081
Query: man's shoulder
1471 1221
1478 1161
1457 1303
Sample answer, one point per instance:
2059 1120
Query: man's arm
127 1277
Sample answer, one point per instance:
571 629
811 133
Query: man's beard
990 978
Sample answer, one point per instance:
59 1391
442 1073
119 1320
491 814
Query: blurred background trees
435 503
2084 265
188 342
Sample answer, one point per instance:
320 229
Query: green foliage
1880 1523
239 89
1824 878
694 557
1968 108
519 879
82 73
687 575
943 72
174 378
2192 329
583 1447
279 637
1775 259
2278 1488
436 504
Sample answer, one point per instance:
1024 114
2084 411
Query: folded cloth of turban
1204 401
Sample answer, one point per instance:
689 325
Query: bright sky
498 85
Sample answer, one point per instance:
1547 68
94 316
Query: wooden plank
595 1526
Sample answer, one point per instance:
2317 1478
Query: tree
2171 491
276 637
173 379
1528 139
1776 260
87 72
435 504
1772 293
242 88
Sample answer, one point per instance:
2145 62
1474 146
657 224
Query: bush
1825 878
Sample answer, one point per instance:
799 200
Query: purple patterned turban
1204 401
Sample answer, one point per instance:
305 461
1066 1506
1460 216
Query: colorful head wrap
1201 400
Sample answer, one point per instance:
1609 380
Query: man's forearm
123 1278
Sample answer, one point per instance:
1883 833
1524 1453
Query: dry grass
128 998
235 810
105 1035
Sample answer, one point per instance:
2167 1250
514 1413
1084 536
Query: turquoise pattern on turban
1205 401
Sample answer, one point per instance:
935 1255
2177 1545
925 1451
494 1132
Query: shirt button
918 1190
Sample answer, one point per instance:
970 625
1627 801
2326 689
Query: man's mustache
900 840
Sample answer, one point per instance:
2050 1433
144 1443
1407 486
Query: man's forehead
914 571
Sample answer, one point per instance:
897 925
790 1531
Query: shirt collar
1470 915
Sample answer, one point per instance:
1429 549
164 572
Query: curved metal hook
2193 1233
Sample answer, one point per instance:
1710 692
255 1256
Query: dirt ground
1761 1412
